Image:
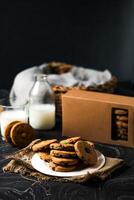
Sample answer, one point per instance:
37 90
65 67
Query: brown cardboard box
99 117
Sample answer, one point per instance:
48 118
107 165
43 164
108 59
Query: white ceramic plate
43 167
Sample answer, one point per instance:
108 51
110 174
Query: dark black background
96 34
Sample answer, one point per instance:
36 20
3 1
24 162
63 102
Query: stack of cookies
66 155
120 123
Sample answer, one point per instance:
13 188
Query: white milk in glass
11 115
42 116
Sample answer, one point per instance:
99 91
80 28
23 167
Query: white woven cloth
24 80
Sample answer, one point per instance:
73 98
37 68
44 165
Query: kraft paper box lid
101 97
89 115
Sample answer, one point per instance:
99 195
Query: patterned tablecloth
119 185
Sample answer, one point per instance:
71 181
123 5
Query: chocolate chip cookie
43 145
63 154
86 152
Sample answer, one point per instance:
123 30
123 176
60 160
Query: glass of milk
11 110
42 116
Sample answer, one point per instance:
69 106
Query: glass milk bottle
41 104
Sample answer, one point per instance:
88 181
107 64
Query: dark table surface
118 186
